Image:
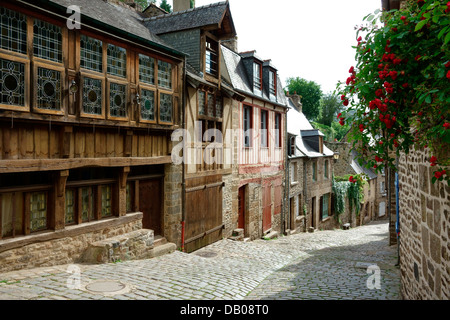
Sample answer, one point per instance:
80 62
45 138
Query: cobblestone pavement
320 265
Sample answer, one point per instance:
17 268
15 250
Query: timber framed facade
86 117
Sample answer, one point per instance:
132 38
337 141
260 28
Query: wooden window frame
213 52
260 76
19 58
314 171
155 91
274 73
158 98
116 80
48 66
96 77
279 141
250 124
264 126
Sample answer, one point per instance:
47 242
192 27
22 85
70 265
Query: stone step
238 232
159 240
271 235
163 249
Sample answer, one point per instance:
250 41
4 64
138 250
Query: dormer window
272 84
212 57
257 77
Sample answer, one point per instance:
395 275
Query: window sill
326 219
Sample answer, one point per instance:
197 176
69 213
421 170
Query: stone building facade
424 230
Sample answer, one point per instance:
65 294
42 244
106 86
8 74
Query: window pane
165 108
49 89
117 100
201 103
13 28
87 212
70 206
146 69
91 54
92 96
211 105
219 107
148 105
264 128
325 205
164 74
117 61
106 201
12 83
38 211
257 75
47 41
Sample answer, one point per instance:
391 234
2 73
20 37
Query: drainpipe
397 224
286 179
305 190
183 174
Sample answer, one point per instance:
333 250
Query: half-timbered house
261 117
208 194
89 98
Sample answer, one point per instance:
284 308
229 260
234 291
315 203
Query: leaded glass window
117 61
87 210
201 103
118 100
148 105
219 107
38 211
211 105
106 201
48 89
165 108
164 74
70 206
92 96
12 83
47 41
91 53
146 69
13 28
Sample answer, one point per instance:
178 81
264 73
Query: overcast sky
311 39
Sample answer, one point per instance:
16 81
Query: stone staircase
237 235
136 245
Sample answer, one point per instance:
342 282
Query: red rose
437 174
389 90
403 18
339 115
433 159
448 74
392 135
446 125
397 61
405 85
379 92
447 65
393 75
343 97
352 69
359 39
346 102
417 57
394 29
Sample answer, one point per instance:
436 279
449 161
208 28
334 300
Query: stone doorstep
271 235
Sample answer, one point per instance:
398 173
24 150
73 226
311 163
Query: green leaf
447 38
420 25
434 180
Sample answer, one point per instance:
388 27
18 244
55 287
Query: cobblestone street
320 265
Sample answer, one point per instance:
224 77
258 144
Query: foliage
340 130
192 4
165 6
328 131
310 93
398 94
329 107
143 3
351 187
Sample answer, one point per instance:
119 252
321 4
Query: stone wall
424 230
62 247
172 203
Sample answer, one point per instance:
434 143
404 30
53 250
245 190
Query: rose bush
398 94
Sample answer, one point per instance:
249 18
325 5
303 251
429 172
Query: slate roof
211 14
361 169
298 125
118 17
235 73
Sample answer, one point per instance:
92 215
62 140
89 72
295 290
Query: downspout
397 224
286 179
183 171
305 190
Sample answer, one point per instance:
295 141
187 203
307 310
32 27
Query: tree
310 93
165 6
330 106
399 91
143 3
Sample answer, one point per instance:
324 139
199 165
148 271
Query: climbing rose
446 125
448 74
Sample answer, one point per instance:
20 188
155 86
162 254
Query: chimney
295 98
231 44
181 5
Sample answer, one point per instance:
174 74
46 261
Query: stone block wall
424 230
62 247
172 203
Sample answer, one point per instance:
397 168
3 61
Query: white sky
311 39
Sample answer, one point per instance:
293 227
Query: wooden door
267 208
150 205
241 218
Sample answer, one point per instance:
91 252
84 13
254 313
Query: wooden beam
29 165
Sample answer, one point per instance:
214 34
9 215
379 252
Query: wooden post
121 194
57 219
